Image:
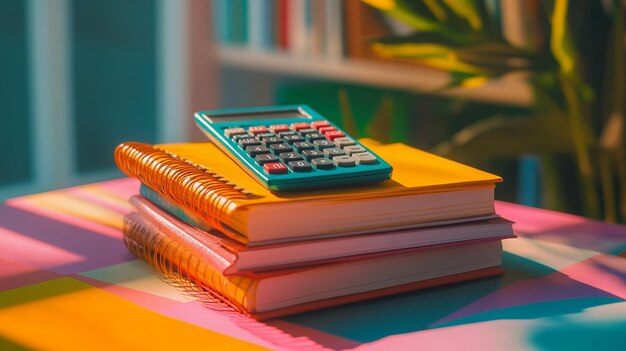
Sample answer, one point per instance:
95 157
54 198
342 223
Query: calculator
291 147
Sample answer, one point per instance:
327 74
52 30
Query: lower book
272 294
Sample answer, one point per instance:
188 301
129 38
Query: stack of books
204 222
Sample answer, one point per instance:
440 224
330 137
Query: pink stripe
23 204
124 187
604 272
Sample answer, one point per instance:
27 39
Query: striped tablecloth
68 282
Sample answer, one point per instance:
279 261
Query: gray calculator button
248 142
354 149
238 137
345 141
322 163
323 144
265 158
264 135
344 161
234 131
314 136
333 151
278 148
300 166
289 156
256 150
271 140
365 158
311 154
303 145
307 131
284 134
290 139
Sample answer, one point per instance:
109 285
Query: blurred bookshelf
329 40
510 90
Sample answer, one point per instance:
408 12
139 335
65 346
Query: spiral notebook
311 252
206 185
200 269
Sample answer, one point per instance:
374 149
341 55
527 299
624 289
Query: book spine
255 23
282 27
220 21
297 27
197 189
186 266
177 211
334 32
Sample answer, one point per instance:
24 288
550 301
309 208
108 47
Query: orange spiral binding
211 196
182 268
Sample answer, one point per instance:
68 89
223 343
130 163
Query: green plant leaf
403 11
502 137
473 11
560 41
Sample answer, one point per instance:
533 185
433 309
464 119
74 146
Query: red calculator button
320 124
275 168
333 134
326 129
257 130
300 125
279 128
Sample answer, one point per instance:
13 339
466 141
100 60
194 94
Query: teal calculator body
291 147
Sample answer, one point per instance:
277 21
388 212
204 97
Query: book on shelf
190 262
310 252
208 186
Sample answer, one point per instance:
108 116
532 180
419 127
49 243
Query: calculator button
289 156
323 144
320 124
303 145
265 158
354 149
256 150
234 131
238 137
322 163
278 148
311 154
333 134
341 142
314 136
307 131
333 151
365 158
323 130
344 161
284 134
279 128
257 130
271 140
300 125
300 166
275 168
290 139
247 142
264 135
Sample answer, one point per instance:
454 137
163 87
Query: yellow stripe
65 314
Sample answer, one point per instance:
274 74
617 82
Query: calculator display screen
235 117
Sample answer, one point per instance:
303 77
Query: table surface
67 281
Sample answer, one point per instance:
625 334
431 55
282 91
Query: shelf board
510 90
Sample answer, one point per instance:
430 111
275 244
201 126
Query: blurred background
530 90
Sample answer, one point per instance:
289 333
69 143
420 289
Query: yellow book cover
202 182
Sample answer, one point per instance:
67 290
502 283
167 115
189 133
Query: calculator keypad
300 147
